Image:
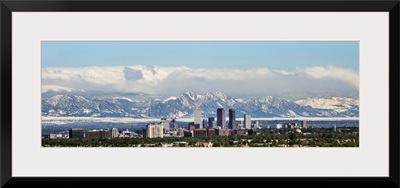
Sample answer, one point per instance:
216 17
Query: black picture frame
7 7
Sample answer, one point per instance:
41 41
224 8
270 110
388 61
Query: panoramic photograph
200 94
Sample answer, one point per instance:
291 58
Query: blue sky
286 56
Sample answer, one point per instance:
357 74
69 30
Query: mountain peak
216 94
192 95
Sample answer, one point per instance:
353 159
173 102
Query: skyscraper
154 131
211 121
247 121
197 117
173 125
205 123
221 120
232 118
304 124
114 132
165 126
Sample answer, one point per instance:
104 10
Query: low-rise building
210 132
98 134
76 133
240 132
199 133
251 132
188 133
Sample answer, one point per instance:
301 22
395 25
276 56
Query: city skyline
246 133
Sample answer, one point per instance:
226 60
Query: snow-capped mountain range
151 106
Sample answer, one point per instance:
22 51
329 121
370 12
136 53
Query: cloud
132 74
176 80
336 73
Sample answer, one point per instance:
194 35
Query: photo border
7 7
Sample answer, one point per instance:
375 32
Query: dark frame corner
7 7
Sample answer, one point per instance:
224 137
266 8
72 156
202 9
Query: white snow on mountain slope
169 98
126 98
239 100
55 99
339 104
182 106
193 96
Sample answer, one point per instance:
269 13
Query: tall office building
304 124
232 118
211 121
114 132
221 120
165 126
205 123
154 131
173 125
197 117
247 121
76 133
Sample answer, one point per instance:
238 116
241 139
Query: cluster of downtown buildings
204 127
200 127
